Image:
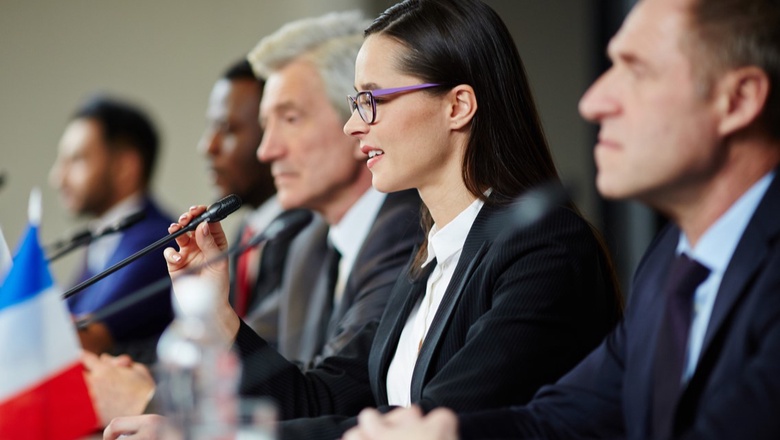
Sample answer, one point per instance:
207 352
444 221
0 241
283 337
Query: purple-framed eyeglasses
365 102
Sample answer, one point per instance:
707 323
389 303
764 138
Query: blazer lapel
477 243
392 200
405 296
747 259
645 314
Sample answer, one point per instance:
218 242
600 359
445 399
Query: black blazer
382 258
521 309
734 392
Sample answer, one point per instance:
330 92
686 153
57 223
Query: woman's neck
445 202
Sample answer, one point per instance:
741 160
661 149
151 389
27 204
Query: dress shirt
349 234
445 245
247 264
255 223
714 250
260 218
100 250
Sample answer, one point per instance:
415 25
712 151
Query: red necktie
246 273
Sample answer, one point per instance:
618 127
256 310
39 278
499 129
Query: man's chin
609 190
289 201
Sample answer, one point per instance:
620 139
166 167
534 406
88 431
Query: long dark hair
452 42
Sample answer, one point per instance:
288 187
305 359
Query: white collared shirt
101 250
446 245
714 250
349 234
260 218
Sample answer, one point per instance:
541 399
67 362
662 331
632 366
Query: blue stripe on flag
30 273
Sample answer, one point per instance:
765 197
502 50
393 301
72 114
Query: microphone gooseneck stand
216 212
288 223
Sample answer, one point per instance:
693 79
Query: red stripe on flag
58 409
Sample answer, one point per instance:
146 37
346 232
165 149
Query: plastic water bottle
197 372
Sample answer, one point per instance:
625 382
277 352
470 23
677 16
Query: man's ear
128 167
741 97
462 106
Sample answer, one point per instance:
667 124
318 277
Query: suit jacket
136 327
262 313
520 310
734 391
304 327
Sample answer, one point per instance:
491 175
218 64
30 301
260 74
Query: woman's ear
462 106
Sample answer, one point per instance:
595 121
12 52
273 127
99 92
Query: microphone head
124 223
530 207
536 203
286 224
223 208
130 220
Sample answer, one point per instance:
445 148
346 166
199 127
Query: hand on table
145 427
118 386
404 424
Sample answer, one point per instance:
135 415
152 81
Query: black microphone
530 207
85 237
122 224
285 225
216 212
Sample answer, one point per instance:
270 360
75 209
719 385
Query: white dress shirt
446 245
101 250
349 234
260 218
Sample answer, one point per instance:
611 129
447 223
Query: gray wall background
165 56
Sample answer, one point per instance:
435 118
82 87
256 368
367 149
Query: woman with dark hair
488 314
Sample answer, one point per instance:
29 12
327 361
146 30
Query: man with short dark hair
690 126
259 292
105 161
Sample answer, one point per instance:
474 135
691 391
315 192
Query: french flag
42 390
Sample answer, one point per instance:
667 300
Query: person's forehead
297 85
81 135
227 91
377 59
653 28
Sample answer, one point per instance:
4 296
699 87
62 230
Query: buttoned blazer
521 309
734 391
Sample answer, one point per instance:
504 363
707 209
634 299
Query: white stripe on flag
37 340
5 257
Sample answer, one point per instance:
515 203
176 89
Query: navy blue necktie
331 262
684 278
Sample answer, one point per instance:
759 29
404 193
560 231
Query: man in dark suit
104 165
545 289
343 272
690 125
229 144
316 166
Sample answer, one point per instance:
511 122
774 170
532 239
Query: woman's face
409 145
